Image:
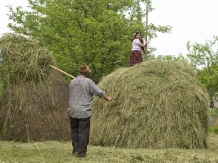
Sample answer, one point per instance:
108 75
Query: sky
191 20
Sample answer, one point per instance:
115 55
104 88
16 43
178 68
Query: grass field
60 152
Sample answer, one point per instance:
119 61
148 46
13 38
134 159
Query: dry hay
31 108
23 60
158 104
32 112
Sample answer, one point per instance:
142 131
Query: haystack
23 60
33 106
158 104
30 112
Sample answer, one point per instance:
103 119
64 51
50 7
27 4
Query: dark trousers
80 134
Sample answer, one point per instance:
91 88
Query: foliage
214 130
203 55
180 57
96 32
214 112
205 58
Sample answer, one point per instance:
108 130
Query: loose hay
30 112
33 105
23 60
158 104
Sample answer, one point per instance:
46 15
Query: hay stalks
23 60
32 107
162 103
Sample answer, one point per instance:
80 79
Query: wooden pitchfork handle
61 71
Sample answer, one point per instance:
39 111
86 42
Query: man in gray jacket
81 94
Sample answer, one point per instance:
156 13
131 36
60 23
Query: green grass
60 152
214 113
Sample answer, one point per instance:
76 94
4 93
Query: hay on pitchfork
23 60
158 104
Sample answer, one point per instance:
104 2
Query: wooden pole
146 31
118 136
121 131
61 71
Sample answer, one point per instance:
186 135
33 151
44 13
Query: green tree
205 58
97 32
180 57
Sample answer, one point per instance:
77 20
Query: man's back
81 94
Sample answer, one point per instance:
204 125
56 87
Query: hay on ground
158 104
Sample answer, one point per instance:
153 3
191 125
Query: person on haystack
81 91
137 48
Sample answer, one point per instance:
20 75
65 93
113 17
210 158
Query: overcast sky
192 20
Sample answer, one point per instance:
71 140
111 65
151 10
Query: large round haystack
32 112
158 104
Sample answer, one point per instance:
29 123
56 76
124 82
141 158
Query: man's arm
98 92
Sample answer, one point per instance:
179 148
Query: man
81 94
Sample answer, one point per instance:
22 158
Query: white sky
4 11
192 20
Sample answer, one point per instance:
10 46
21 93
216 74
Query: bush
214 130
214 113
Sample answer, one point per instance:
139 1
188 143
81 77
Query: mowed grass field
60 152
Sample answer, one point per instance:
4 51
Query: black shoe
81 155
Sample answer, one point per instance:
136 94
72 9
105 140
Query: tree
96 32
205 58
180 57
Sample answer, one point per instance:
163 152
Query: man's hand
107 98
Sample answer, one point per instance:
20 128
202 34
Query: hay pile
33 105
23 60
158 104
30 112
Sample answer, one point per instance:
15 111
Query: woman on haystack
137 49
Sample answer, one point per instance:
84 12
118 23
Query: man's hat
84 69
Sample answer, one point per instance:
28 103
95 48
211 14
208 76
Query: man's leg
84 127
74 126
